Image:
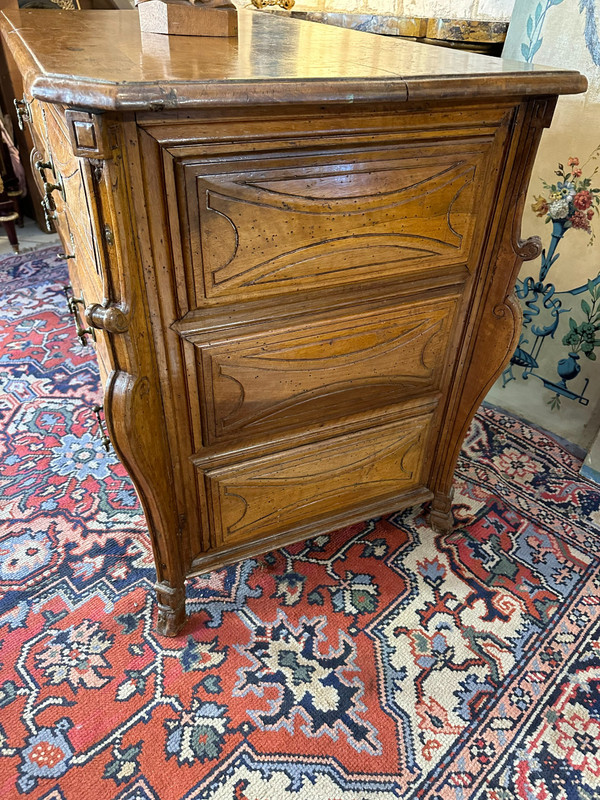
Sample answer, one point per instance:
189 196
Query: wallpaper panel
554 376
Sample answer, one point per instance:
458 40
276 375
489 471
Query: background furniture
11 89
480 36
10 193
294 254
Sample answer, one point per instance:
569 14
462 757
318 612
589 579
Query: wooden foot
440 516
171 608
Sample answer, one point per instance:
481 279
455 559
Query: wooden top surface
99 60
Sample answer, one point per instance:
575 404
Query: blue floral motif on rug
376 662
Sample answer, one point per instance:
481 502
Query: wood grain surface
297 305
101 61
280 492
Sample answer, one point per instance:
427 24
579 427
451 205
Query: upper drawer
274 225
74 212
72 218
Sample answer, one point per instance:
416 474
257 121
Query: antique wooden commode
294 252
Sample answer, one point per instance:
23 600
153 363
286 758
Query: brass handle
287 4
103 435
53 187
48 203
49 213
110 319
22 109
41 167
72 303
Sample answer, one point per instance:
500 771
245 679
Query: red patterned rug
379 662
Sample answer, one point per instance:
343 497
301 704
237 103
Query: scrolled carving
37 157
528 249
525 249
500 310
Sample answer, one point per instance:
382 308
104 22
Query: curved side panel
492 337
130 409
133 403
131 413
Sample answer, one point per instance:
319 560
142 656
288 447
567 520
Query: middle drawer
263 384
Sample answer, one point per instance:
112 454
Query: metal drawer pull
22 109
41 167
64 256
111 319
52 187
72 303
48 203
103 435
48 189
49 212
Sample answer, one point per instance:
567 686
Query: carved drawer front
289 490
282 224
72 220
266 383
74 213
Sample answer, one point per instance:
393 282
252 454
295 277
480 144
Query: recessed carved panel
276 227
276 381
277 493
75 207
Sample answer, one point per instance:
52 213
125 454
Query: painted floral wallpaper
553 379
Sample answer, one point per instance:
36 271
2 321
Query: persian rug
377 662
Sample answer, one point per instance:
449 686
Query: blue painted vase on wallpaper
568 368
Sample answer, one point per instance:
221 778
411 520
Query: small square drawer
289 490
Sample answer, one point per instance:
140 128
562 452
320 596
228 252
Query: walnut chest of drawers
294 252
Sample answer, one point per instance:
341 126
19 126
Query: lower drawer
290 490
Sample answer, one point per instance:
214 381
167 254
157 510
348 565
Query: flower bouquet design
571 203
